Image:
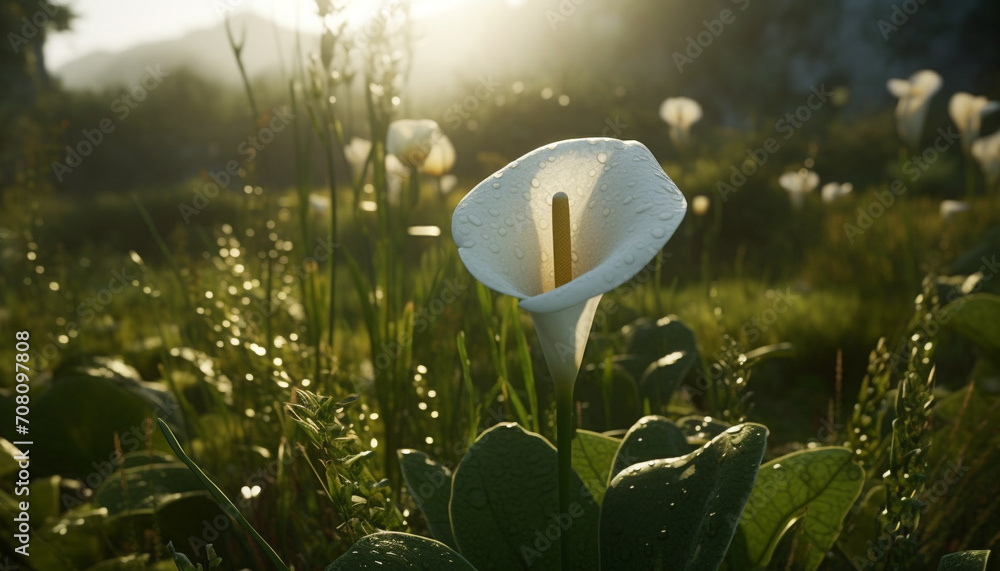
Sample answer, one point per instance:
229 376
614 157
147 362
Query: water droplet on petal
494 212
496 185
535 183
518 252
495 248
475 220
602 157
658 232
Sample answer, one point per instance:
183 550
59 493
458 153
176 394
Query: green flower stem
564 438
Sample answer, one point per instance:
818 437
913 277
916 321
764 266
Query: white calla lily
799 184
320 203
447 183
411 140
967 112
680 113
395 174
700 205
986 150
356 152
950 208
622 209
914 99
833 190
441 157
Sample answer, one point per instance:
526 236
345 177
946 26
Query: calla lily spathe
799 184
441 158
950 208
623 209
411 140
833 190
914 99
447 183
356 152
680 113
967 112
986 151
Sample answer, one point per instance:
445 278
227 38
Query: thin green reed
391 310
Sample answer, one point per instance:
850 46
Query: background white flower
680 113
833 190
700 205
447 183
798 184
914 99
441 158
950 208
986 150
411 140
395 174
967 112
356 152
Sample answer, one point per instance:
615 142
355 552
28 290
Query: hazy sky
115 25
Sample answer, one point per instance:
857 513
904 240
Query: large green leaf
394 551
819 485
505 505
83 414
429 484
964 561
144 486
681 513
651 438
665 350
977 317
593 454
702 427
43 553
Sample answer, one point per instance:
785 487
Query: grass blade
219 495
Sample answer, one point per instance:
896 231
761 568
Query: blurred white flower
320 203
356 152
700 205
441 157
617 208
447 183
986 150
680 113
395 175
411 140
799 184
914 99
950 208
967 112
833 190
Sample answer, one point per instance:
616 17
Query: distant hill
770 56
205 51
443 42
